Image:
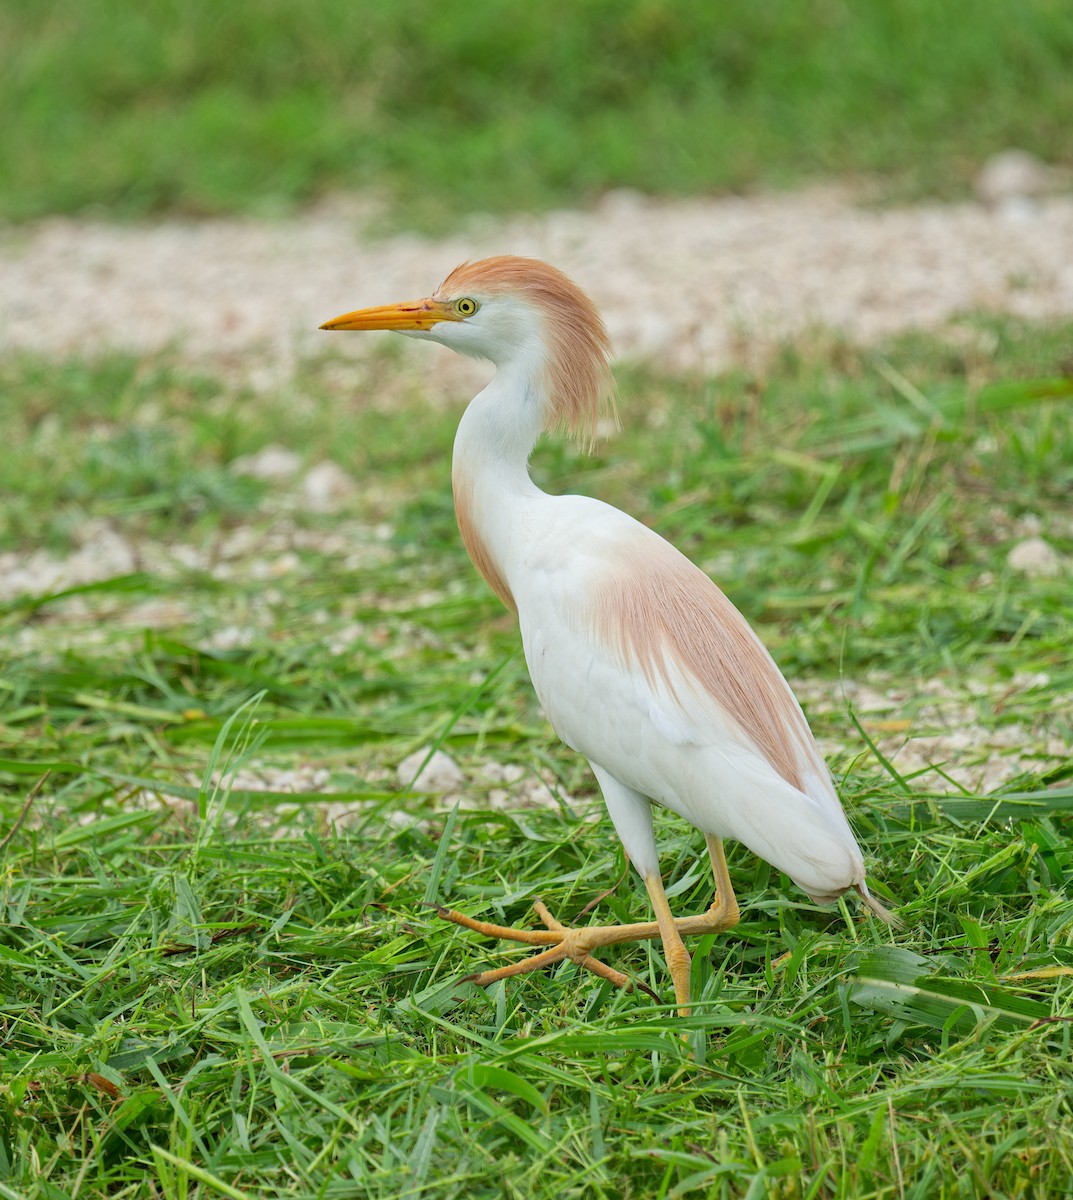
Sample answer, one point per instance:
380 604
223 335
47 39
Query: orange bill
412 314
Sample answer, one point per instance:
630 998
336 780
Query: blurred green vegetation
260 105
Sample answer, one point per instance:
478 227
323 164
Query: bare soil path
687 283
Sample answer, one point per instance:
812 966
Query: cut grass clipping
217 975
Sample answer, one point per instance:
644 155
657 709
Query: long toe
529 937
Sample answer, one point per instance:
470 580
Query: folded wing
645 667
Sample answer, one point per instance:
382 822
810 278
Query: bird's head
519 313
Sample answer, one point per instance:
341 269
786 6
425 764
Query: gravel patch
260 552
688 284
941 734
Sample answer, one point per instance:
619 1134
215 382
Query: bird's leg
722 914
588 962
674 949
531 937
723 911
577 944
562 946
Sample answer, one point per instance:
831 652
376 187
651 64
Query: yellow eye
466 307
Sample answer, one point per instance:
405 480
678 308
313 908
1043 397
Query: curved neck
500 427
490 472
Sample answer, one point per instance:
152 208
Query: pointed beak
413 314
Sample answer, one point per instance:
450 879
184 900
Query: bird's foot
562 941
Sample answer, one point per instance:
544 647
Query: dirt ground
689 284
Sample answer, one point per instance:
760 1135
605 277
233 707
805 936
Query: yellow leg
724 912
588 962
577 944
674 949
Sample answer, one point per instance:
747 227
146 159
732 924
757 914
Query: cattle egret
640 662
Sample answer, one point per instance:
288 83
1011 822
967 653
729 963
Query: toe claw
646 989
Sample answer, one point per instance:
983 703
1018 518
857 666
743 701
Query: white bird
640 662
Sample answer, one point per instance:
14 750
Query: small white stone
264 568
607 428
1034 556
270 462
1011 175
536 794
232 637
326 486
343 639
1024 680
440 774
498 799
496 772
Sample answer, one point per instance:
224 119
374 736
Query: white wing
643 666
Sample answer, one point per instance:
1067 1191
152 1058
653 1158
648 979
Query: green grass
204 993
259 105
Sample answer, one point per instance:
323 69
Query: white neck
490 470
501 425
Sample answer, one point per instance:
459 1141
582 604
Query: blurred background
261 106
833 240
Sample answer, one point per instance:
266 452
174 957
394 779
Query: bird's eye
466 307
